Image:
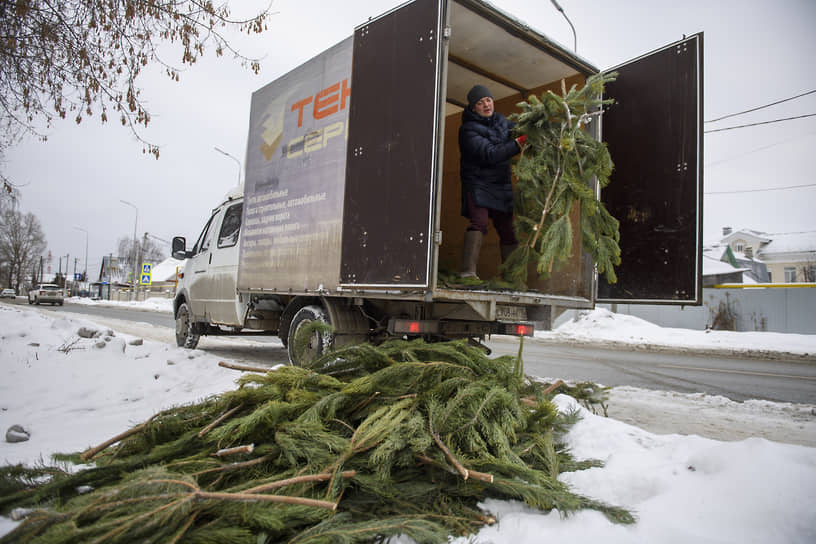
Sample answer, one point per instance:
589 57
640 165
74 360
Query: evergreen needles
556 174
370 442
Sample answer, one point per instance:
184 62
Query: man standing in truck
486 147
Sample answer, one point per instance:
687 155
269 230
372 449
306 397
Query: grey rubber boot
470 253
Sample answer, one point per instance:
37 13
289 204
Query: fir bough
405 438
557 170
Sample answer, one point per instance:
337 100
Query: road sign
77 277
147 270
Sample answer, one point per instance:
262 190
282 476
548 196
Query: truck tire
186 333
318 343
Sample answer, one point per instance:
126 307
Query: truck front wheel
317 342
186 334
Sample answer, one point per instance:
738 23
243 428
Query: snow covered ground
70 392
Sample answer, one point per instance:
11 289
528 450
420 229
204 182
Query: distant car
47 292
8 293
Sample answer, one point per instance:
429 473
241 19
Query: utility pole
135 251
85 273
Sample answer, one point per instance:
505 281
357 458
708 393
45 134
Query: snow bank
682 489
153 304
600 325
71 392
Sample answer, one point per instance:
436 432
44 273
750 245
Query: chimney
727 231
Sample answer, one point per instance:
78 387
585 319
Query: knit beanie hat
477 93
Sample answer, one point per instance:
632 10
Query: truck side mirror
180 248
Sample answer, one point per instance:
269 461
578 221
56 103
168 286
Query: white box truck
351 200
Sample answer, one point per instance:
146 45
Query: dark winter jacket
486 148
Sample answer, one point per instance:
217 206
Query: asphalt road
736 378
732 377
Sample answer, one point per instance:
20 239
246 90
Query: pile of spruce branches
405 438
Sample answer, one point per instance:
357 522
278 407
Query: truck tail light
524 330
413 326
517 329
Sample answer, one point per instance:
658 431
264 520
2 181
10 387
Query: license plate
510 313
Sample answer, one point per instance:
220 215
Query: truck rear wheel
186 334
318 342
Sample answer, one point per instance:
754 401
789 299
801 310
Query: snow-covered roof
741 256
790 242
166 270
715 251
738 234
713 267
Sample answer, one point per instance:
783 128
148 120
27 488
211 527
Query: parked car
8 293
47 292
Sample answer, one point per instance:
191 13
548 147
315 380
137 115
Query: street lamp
233 158
574 35
85 274
135 256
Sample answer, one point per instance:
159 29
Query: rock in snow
16 433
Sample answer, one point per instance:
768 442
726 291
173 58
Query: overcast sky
756 53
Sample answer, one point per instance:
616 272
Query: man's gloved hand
521 140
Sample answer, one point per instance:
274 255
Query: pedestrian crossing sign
147 270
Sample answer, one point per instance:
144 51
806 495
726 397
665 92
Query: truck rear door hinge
446 33
437 237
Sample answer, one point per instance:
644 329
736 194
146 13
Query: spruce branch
557 173
347 474
219 419
454 461
252 497
91 453
235 466
237 450
245 368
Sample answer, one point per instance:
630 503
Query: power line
760 123
759 190
757 149
761 107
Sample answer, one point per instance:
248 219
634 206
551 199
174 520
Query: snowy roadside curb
604 329
764 354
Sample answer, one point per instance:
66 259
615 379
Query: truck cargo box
352 168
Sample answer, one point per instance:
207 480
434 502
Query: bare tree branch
84 57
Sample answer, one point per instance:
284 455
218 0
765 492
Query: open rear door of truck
655 138
391 158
